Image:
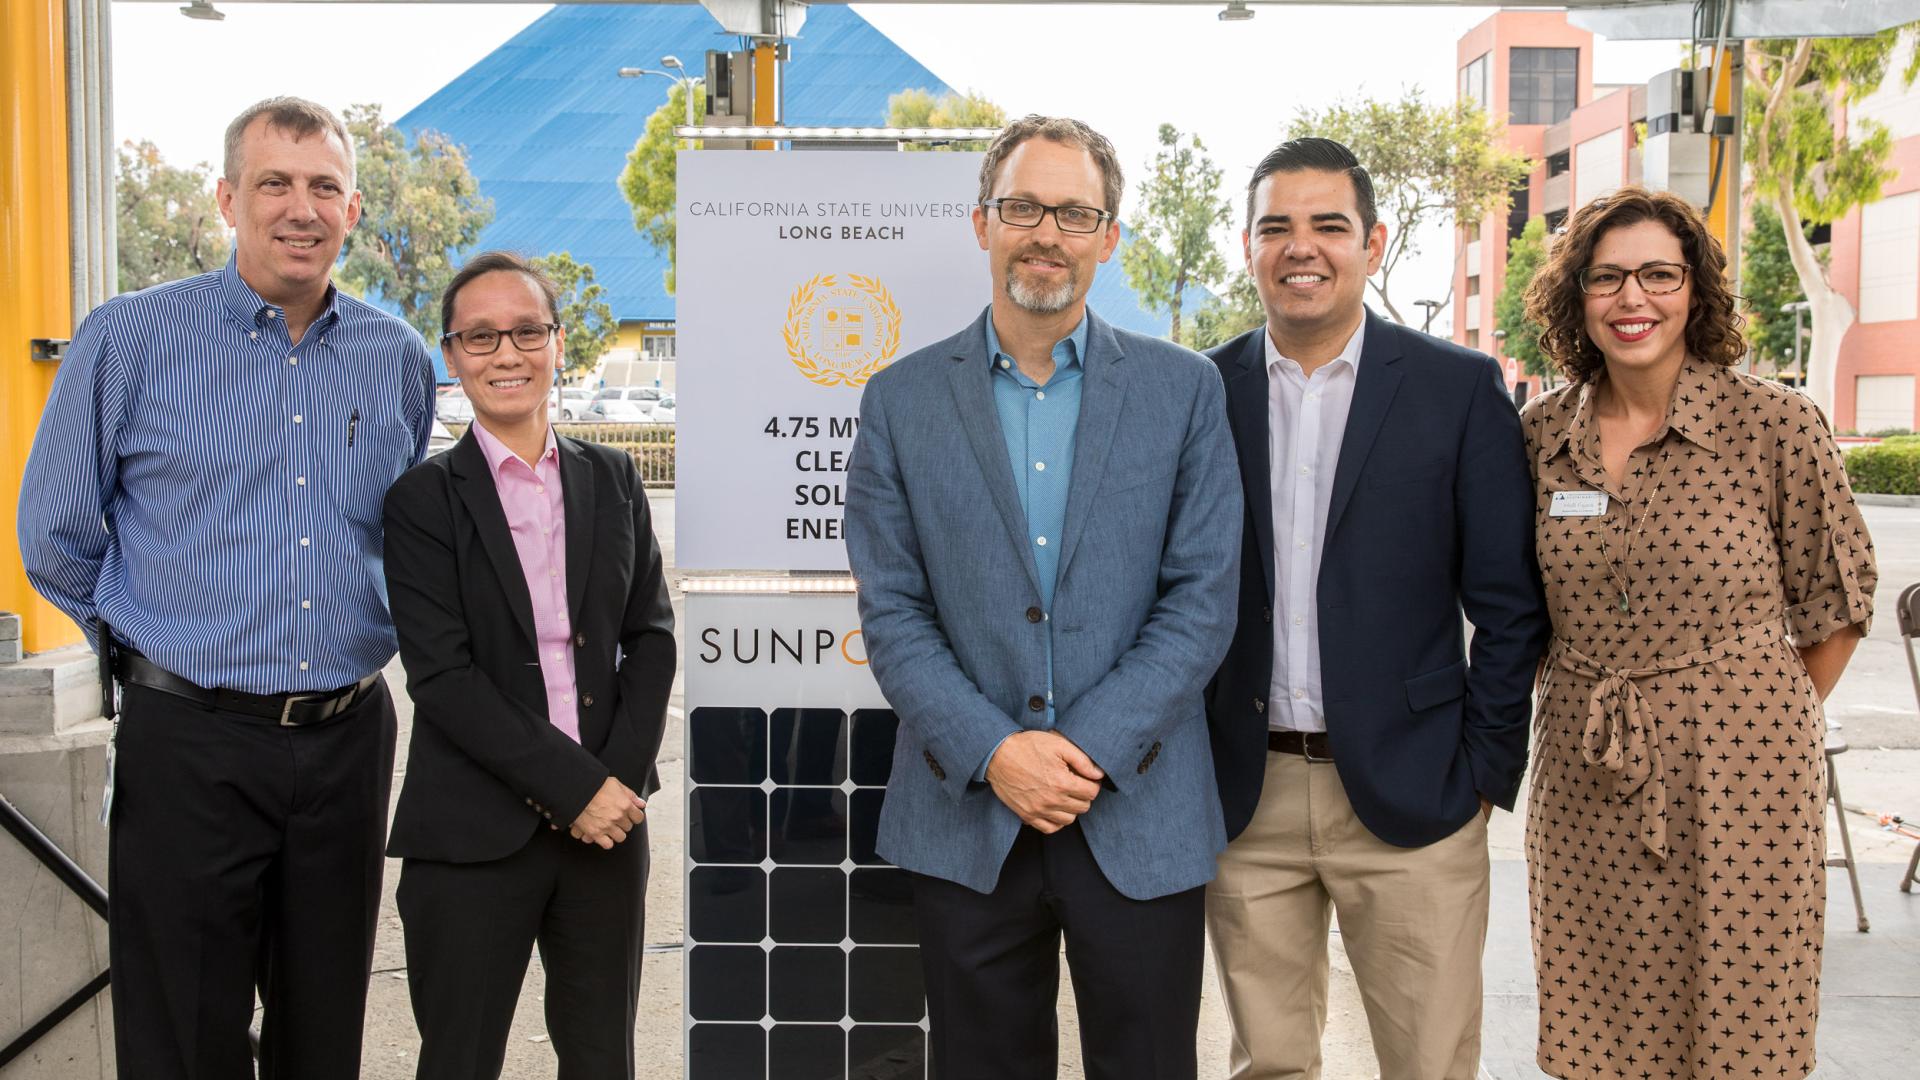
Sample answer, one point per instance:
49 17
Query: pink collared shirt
537 517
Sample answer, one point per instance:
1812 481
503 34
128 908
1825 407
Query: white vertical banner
800 275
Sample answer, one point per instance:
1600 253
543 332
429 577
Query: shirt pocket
363 470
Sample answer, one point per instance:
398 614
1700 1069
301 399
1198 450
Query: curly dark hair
1555 302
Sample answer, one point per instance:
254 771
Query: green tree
590 325
647 182
1228 315
1768 281
920 109
1525 255
1172 243
169 223
1429 163
1808 169
420 206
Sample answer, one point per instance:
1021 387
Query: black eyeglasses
1027 214
484 340
1655 278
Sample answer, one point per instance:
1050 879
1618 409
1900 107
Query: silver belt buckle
1306 749
286 708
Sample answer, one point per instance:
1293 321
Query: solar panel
801 954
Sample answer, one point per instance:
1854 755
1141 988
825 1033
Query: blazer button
1036 703
586 700
529 802
579 641
1034 614
1260 705
1266 613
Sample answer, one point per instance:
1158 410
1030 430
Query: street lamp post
683 79
1432 307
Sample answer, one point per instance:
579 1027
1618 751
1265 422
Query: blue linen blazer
1143 605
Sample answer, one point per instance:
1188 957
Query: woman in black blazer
537 636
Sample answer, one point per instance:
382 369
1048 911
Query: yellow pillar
35 261
766 89
1725 197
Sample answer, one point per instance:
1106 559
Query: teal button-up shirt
1038 423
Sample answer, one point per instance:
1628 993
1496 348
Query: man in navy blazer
1359 747
1043 516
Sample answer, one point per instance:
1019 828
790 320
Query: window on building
1473 82
1542 84
1517 213
1890 259
1559 164
1556 221
1473 286
1883 403
1473 339
1473 232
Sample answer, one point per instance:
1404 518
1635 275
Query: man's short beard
1041 300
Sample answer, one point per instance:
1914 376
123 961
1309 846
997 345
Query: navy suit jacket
1432 514
1142 604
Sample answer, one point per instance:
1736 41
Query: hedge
1891 468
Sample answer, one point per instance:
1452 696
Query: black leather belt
1312 745
287 710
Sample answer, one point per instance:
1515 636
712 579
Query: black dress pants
244 856
992 967
471 929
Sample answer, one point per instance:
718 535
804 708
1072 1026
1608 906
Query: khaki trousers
1413 920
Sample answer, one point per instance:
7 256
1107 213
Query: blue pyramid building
547 125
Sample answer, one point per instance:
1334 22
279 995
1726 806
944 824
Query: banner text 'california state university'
801 274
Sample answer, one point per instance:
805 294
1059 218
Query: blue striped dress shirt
213 491
1039 423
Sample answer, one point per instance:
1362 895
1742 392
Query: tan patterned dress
1675 828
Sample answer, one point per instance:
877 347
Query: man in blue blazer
1043 516
1359 748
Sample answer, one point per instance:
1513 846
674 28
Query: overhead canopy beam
1618 20
1752 19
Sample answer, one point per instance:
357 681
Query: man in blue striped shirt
207 483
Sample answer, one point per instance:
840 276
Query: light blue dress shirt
1038 423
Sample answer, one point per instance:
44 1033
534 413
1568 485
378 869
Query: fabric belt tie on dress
1616 734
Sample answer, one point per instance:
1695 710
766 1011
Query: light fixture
203 10
1237 11
862 134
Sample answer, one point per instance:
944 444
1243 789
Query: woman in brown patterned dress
1708 576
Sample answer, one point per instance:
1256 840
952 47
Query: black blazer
483 754
1432 513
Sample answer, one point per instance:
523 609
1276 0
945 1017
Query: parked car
624 404
570 403
440 439
453 405
663 410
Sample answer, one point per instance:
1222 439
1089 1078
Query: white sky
1124 69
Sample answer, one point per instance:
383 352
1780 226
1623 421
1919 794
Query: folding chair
1837 744
1910 630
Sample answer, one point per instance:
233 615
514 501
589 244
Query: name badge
1578 504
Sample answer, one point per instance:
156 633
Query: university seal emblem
841 329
